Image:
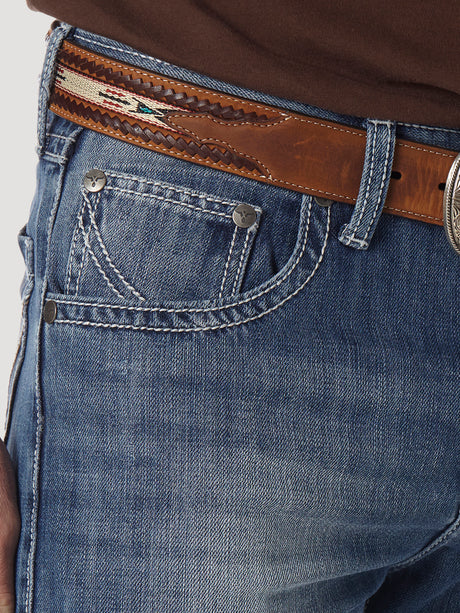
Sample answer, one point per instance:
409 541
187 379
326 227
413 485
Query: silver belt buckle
451 205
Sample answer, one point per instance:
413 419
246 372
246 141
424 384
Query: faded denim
255 421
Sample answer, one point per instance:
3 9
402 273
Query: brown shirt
391 59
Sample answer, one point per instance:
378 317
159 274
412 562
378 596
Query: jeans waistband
381 133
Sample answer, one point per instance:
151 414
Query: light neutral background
22 47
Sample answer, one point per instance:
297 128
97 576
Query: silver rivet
94 180
49 311
323 201
244 215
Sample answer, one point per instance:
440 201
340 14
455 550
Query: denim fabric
225 419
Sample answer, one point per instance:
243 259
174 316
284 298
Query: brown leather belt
240 136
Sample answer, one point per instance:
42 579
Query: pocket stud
50 311
94 180
244 215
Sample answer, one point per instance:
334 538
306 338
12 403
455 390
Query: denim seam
240 263
444 536
72 251
227 263
204 328
68 138
382 186
214 308
369 182
104 248
163 199
83 255
96 261
170 187
434 128
142 55
208 163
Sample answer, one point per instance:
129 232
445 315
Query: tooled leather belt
248 138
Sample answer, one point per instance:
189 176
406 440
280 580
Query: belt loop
57 32
380 145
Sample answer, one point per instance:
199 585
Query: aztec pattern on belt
240 136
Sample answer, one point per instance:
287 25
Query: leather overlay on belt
240 136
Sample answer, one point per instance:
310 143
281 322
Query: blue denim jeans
217 422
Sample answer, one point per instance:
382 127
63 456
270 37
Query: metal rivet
244 215
49 311
94 180
323 201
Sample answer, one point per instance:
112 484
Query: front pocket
144 240
26 246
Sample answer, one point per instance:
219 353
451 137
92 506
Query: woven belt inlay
77 108
158 92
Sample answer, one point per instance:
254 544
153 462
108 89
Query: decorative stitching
207 92
173 188
163 199
369 182
198 329
445 155
208 162
146 57
229 257
382 183
104 249
435 129
412 213
72 251
83 257
69 138
98 266
288 272
240 264
76 110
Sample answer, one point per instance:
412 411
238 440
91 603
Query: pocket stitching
93 223
197 328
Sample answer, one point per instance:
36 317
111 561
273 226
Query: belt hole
395 174
442 186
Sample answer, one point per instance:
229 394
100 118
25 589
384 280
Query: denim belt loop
380 145
55 36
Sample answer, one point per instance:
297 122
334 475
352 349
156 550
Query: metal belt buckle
451 205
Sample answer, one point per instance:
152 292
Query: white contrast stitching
419 125
382 184
99 44
163 185
217 327
213 308
392 208
72 251
104 249
229 257
363 205
99 267
83 256
163 199
189 158
69 138
444 155
240 263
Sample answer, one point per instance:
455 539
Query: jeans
218 422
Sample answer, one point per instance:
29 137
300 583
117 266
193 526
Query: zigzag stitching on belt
158 92
166 140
